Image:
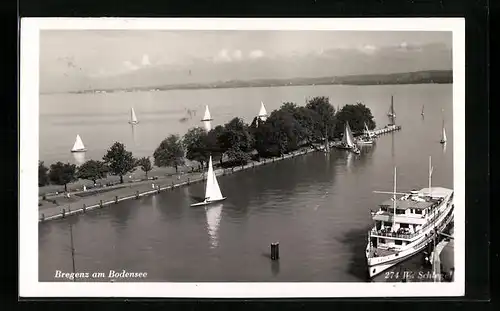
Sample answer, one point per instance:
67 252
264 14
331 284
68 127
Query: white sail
133 117
78 146
262 112
348 139
443 138
212 190
368 133
207 116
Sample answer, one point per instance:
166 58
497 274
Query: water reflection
79 158
134 134
214 214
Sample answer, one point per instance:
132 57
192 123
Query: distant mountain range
367 65
418 77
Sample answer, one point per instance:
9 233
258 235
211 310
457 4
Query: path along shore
83 201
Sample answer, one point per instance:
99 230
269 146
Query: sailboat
391 113
367 139
212 190
422 113
348 141
78 146
263 112
133 117
207 118
443 135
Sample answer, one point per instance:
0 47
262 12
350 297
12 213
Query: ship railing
391 234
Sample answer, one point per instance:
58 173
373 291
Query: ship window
404 226
400 211
398 242
418 211
382 241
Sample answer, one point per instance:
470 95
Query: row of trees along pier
235 143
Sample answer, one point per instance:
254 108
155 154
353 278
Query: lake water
317 206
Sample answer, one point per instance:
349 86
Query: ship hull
204 203
133 122
79 150
377 265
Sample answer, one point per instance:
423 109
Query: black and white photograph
242 158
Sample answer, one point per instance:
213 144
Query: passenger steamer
406 225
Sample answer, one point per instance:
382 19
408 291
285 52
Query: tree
215 143
237 138
43 178
357 115
305 117
196 143
92 170
119 160
278 135
170 152
62 174
145 164
324 117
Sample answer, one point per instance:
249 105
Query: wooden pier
387 129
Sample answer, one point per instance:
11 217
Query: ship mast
394 202
430 176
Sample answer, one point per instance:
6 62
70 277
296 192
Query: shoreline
135 190
141 189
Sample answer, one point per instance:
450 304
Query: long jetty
387 129
63 212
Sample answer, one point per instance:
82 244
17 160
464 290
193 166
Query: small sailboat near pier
133 118
212 189
78 146
391 113
367 138
443 134
348 141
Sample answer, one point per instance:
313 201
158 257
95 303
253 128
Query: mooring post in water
116 199
158 189
43 216
275 251
100 203
84 207
188 181
63 213
137 194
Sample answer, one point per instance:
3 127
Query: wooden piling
63 213
137 195
173 185
116 199
188 181
158 189
100 203
84 207
275 251
43 216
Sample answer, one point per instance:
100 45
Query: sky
76 59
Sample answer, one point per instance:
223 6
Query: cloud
368 49
130 65
145 60
223 56
256 54
237 55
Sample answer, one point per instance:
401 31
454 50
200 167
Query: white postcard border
29 286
